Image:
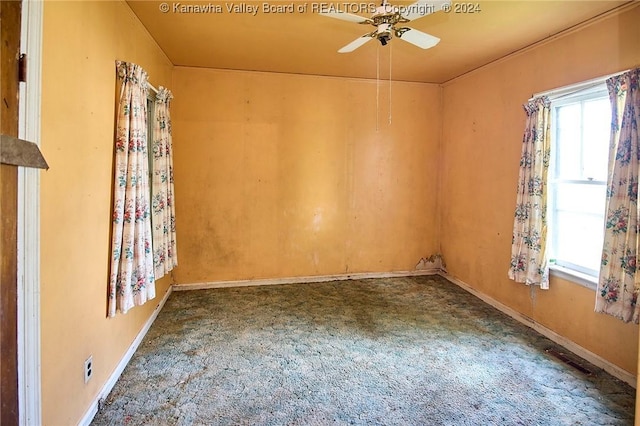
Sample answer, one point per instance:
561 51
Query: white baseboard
594 359
302 280
111 381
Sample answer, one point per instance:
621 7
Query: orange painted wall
483 121
82 41
286 175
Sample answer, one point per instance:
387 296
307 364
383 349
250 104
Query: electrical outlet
88 369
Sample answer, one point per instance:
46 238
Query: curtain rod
575 87
150 86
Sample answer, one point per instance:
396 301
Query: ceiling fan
386 19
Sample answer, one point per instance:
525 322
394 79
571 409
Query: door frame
29 344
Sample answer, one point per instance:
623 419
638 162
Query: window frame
151 113
581 275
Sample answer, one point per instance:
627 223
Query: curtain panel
131 281
528 244
619 281
165 255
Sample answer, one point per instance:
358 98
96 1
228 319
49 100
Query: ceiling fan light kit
388 20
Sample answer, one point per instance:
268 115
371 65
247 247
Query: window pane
581 149
581 241
568 159
589 199
596 125
579 218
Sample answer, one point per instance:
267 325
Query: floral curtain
131 280
163 219
528 244
619 283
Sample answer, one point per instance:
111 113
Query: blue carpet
400 351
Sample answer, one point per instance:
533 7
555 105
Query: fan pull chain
377 86
390 62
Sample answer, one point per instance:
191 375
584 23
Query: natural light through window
578 177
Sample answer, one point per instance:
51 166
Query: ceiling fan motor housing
385 17
384 33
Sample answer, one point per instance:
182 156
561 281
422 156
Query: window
151 117
577 179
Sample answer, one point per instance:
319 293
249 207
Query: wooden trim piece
19 152
29 345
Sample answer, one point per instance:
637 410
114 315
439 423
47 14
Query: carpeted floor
400 351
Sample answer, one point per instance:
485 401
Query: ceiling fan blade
418 38
344 16
423 8
356 43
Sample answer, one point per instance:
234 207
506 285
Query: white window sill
579 278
